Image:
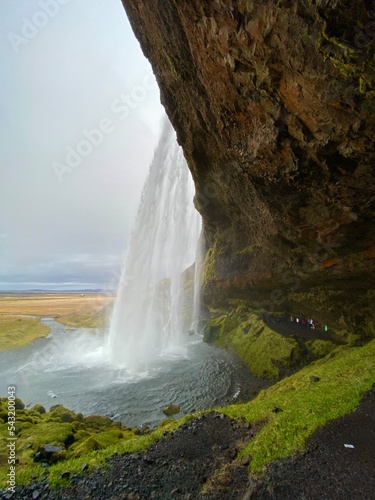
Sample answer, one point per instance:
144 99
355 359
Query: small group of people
302 321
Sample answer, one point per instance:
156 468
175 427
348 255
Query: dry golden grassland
53 304
72 309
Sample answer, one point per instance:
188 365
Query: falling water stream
152 354
151 311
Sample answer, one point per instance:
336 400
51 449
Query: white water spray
196 316
148 317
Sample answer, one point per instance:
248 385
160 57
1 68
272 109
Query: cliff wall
273 103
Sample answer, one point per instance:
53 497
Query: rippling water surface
70 367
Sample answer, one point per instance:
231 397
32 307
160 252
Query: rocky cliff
273 103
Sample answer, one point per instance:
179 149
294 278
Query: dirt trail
288 328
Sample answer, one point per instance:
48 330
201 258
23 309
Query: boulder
171 410
47 453
38 408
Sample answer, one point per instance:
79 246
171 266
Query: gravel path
284 326
329 470
178 466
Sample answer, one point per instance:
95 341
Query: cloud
62 83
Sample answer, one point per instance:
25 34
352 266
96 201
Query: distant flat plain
72 309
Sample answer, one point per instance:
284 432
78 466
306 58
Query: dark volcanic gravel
175 467
178 466
328 470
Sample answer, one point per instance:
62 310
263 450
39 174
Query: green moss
369 328
209 265
88 445
97 457
247 250
44 432
25 418
262 349
220 325
21 426
81 434
19 405
345 374
320 348
16 332
63 414
110 437
98 319
97 421
165 422
38 409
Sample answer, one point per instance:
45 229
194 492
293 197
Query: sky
80 117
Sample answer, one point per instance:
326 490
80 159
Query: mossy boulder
19 404
171 410
97 421
56 433
25 418
22 426
107 438
36 415
63 414
38 408
81 435
88 445
79 426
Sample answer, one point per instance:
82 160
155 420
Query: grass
84 440
90 319
320 348
16 332
262 349
71 309
345 374
54 304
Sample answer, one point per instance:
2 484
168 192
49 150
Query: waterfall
149 317
196 315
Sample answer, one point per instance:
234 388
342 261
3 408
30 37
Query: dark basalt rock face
273 103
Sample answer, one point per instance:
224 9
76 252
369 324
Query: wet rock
275 409
8 496
46 453
246 461
66 474
313 378
84 467
171 410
